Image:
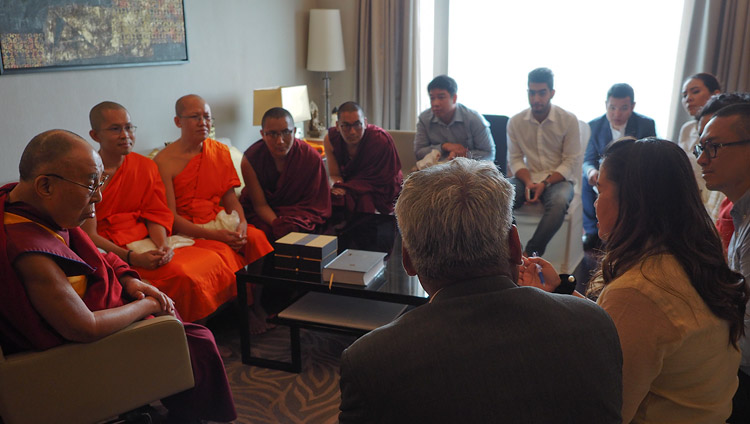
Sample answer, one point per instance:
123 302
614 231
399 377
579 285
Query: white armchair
91 382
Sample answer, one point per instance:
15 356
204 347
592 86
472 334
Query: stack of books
307 253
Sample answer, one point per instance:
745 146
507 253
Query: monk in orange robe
199 179
199 277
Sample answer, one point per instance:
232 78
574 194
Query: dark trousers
556 199
588 197
741 401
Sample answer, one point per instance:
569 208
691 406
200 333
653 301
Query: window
588 44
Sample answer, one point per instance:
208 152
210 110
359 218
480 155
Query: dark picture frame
56 35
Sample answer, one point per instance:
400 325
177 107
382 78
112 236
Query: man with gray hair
483 349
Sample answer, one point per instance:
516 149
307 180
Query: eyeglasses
199 118
130 129
346 126
274 134
92 188
711 148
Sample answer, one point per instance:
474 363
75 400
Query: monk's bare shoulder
167 160
165 154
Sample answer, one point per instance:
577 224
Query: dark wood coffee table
354 231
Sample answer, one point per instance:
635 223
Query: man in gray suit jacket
483 350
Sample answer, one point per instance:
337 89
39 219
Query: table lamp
325 49
294 99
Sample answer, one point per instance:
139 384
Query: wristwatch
567 284
545 182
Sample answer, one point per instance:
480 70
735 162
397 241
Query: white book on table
353 266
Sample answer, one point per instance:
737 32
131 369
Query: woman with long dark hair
677 306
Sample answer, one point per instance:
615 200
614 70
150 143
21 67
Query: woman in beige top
677 306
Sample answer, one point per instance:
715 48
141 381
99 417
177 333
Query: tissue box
302 252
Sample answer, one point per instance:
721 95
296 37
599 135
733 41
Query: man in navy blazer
483 350
619 121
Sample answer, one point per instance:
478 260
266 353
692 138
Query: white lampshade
294 99
325 44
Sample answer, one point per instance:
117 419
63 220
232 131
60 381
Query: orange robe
199 278
199 187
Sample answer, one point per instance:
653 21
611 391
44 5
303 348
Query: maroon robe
23 328
372 179
299 195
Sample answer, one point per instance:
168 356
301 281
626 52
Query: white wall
234 46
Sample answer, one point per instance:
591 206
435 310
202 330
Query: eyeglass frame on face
699 148
285 134
92 188
199 118
345 126
116 129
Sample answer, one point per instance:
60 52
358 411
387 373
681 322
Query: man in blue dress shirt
450 127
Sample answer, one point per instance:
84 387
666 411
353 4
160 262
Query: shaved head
179 106
351 107
48 148
276 113
96 116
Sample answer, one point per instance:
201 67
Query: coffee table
354 231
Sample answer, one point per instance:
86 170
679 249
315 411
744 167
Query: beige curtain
387 62
718 42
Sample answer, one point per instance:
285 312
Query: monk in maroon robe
55 285
286 187
362 162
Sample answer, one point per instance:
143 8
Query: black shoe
143 415
591 241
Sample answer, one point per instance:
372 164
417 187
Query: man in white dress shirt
544 150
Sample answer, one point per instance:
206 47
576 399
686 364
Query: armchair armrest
90 382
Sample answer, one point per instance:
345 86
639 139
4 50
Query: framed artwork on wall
52 35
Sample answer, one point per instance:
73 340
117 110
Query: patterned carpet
269 396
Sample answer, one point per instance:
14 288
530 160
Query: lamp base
327 82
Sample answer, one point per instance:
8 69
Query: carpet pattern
269 396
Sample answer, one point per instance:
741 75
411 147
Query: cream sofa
404 141
90 382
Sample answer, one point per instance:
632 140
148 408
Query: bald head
47 150
96 115
182 102
61 178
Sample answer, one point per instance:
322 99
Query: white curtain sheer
387 62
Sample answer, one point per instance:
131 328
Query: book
353 266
